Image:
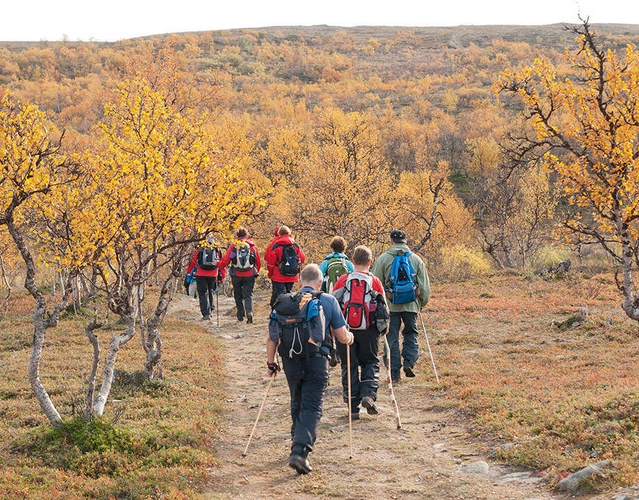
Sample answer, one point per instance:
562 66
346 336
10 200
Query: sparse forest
500 151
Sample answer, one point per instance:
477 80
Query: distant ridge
552 35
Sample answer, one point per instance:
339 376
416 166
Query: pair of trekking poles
389 380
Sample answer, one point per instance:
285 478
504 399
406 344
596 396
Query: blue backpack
401 286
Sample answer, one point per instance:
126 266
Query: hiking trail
432 456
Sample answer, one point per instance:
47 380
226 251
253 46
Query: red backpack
358 301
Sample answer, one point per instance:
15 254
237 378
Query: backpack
289 264
190 278
402 283
301 326
359 301
336 267
207 258
381 315
244 257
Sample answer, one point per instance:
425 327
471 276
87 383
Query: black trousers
243 294
206 287
278 289
307 380
364 366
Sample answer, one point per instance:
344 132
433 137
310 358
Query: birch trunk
152 338
7 283
95 342
41 322
109 366
630 305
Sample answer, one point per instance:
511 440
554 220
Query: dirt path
427 458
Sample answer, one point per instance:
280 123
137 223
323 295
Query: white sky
110 20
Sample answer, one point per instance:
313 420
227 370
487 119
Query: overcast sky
110 20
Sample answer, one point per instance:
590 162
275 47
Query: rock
571 483
521 477
479 467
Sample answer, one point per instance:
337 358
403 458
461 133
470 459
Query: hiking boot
333 358
369 404
299 463
249 317
409 372
395 379
355 416
206 318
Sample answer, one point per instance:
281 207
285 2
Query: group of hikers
342 309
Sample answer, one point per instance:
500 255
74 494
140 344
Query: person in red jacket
207 274
364 369
245 266
269 267
285 258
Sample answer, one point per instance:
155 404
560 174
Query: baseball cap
398 236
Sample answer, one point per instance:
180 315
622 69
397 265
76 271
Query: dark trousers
364 366
307 380
243 294
278 289
206 287
410 346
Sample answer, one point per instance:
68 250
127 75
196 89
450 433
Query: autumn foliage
116 159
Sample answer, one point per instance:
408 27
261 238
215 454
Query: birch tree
31 167
586 129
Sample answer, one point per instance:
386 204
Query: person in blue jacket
335 264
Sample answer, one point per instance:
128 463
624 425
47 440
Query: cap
398 236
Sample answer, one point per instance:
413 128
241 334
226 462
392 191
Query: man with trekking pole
407 288
300 330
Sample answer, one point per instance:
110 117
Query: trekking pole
217 302
428 344
350 404
258 415
391 392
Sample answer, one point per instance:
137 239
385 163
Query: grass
542 386
536 383
154 440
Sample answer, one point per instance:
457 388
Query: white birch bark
109 365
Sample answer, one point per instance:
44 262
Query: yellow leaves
592 120
29 163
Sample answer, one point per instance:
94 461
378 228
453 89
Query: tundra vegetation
498 152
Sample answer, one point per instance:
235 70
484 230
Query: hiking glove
273 368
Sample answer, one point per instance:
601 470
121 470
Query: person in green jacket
406 312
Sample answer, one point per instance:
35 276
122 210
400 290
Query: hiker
407 289
189 279
361 296
305 363
335 264
207 275
245 266
284 258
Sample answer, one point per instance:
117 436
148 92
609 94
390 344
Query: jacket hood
284 240
398 248
335 254
248 240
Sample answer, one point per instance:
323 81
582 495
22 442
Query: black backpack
289 264
208 258
300 324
